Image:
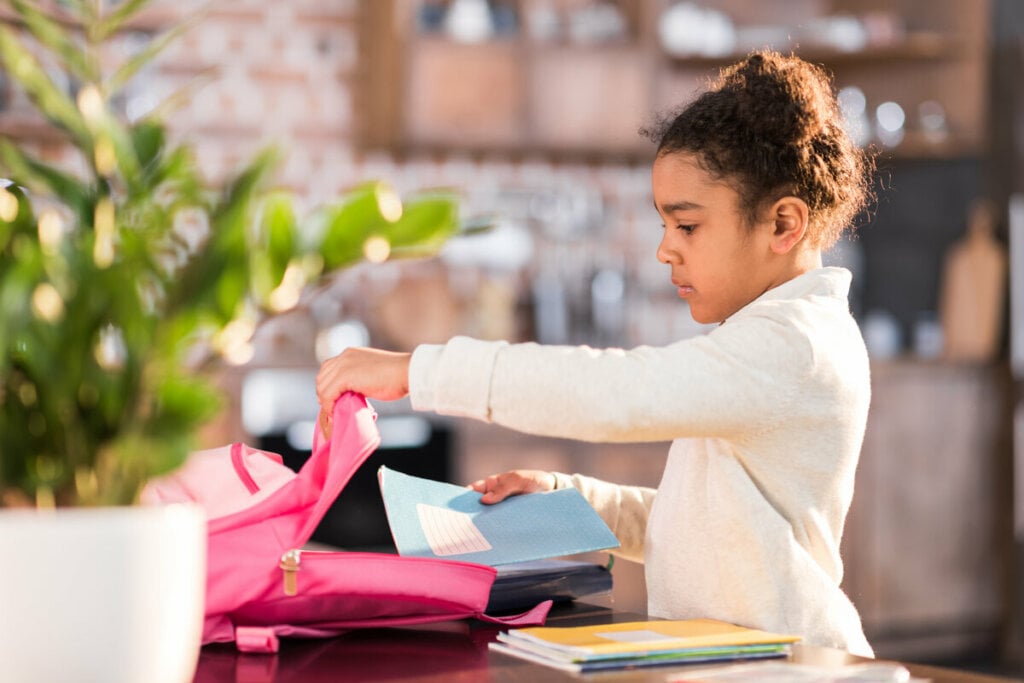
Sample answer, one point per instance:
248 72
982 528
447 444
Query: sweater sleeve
623 508
730 381
454 379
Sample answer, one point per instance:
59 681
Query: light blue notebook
434 519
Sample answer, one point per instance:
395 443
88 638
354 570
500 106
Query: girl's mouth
684 290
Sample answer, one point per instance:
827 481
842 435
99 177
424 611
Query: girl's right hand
374 373
498 487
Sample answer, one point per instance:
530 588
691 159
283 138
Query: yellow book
643 638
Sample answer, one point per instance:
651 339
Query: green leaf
426 223
184 94
85 11
48 179
348 223
181 400
132 458
53 103
216 281
278 230
148 140
116 19
127 70
176 169
230 291
54 37
24 223
241 191
109 129
16 286
274 249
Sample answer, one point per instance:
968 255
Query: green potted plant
118 285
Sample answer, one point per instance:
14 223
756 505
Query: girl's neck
803 261
808 260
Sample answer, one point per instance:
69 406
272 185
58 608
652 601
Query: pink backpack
261 584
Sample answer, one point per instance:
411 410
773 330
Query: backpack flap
354 437
296 508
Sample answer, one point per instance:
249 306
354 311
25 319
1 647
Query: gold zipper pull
290 565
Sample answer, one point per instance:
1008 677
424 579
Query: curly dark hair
771 127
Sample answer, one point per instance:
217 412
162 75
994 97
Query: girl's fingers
498 487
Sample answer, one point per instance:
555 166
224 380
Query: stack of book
521 585
640 644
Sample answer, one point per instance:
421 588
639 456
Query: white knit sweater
766 415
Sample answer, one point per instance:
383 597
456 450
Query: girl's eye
688 229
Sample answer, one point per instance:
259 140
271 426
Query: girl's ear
790 217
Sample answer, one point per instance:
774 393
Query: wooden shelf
592 154
587 101
919 47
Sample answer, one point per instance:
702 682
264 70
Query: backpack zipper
290 565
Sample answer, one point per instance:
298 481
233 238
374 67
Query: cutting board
974 290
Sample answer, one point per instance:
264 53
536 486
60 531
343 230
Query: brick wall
282 74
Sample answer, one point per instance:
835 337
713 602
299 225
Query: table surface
456 652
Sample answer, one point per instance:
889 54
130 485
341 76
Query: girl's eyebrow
679 206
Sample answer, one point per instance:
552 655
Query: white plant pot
112 595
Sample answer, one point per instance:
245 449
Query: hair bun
783 100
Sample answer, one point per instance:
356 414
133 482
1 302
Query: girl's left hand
498 487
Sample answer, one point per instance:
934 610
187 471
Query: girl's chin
700 319
703 317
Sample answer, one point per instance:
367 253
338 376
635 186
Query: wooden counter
457 653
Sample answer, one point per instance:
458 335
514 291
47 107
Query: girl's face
719 264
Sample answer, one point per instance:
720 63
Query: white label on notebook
642 636
450 532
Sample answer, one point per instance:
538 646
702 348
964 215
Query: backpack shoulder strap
531 617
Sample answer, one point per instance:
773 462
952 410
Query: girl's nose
664 254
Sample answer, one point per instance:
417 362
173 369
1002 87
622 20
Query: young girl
766 413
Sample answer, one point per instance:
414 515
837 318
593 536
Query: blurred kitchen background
531 109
